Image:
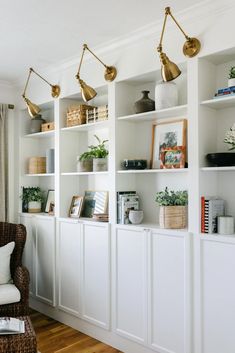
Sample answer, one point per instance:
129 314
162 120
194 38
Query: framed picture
172 157
95 202
76 206
50 198
167 135
51 211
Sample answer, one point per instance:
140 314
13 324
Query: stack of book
211 208
10 326
225 92
97 114
101 217
126 201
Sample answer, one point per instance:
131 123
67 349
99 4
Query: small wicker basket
77 115
173 217
37 165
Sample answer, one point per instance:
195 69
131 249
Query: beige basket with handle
173 217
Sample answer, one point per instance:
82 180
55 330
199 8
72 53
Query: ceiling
48 32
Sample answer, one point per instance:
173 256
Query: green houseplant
85 162
231 77
33 197
100 154
173 208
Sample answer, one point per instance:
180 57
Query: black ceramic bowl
223 159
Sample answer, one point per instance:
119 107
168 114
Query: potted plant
231 77
33 196
99 153
173 208
85 162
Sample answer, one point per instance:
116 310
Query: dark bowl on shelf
222 159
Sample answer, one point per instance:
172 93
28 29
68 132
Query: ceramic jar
166 95
100 164
35 124
145 104
136 216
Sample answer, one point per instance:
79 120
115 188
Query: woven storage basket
48 126
37 165
77 116
173 217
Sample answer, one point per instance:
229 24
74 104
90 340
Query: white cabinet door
169 293
218 296
69 266
131 283
45 258
29 251
96 274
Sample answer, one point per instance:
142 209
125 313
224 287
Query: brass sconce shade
191 47
33 109
109 75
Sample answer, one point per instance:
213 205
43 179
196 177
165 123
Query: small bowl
222 159
136 216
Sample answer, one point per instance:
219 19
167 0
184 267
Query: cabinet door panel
217 293
96 274
131 284
69 266
45 259
168 294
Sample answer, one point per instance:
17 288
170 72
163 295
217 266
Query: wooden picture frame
95 202
167 135
76 206
172 157
50 198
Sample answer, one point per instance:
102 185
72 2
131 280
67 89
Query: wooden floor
54 337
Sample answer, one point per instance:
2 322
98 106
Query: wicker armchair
20 275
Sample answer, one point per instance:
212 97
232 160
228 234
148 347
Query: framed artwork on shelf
76 206
172 157
50 199
167 135
95 202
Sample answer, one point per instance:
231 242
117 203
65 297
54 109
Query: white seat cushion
9 294
5 257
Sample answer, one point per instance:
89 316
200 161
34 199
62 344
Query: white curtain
3 162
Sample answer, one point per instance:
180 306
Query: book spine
206 229
203 214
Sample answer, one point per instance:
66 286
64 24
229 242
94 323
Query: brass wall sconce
34 109
170 70
87 91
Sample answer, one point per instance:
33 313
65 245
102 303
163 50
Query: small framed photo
173 157
95 202
167 135
50 199
76 206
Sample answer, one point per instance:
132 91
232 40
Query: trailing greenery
86 156
172 198
32 194
99 151
232 72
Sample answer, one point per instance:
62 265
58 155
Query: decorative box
37 165
77 115
48 126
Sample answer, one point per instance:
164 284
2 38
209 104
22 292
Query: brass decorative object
191 47
109 75
34 109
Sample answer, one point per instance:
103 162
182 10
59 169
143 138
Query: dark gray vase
145 104
35 124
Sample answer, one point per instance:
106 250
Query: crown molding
192 14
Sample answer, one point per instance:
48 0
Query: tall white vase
166 95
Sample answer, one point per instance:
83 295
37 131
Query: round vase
100 164
231 82
145 104
34 206
136 216
84 166
35 124
166 95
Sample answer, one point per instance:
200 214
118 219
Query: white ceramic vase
166 95
100 164
136 216
231 82
34 206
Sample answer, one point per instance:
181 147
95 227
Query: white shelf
177 111
43 134
220 103
40 175
152 171
218 238
87 127
217 169
85 173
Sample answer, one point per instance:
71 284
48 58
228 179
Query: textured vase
34 206
100 164
136 216
145 104
85 166
35 124
166 95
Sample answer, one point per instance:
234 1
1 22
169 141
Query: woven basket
173 217
37 165
77 116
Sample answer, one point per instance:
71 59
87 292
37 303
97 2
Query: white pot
166 95
136 216
100 164
231 82
34 206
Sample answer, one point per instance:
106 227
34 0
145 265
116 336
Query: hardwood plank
55 337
